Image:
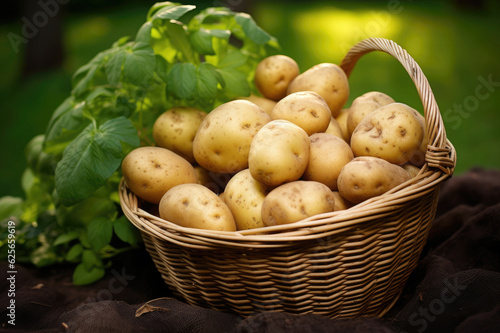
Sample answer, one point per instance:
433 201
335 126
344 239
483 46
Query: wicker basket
342 264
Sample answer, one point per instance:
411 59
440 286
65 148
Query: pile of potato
294 151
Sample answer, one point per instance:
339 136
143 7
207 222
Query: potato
195 206
215 181
273 75
297 200
340 202
151 171
334 129
326 79
392 132
412 169
306 109
223 139
279 153
176 128
363 105
265 104
327 156
341 120
367 177
417 158
244 196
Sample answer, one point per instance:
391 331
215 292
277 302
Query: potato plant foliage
179 57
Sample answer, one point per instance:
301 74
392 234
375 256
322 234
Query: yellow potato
151 171
265 104
363 105
223 139
279 153
326 79
195 206
340 202
417 158
295 201
341 120
306 109
412 169
367 177
334 129
176 128
327 156
244 196
392 132
273 75
215 181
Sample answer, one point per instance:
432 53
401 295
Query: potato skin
222 142
264 103
306 109
326 79
297 200
176 128
327 156
244 196
364 105
392 132
367 177
340 202
151 171
195 206
279 153
273 75
341 120
213 180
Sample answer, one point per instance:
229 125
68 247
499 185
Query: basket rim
440 161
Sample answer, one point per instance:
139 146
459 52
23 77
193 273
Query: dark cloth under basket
342 264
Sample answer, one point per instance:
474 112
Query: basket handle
440 153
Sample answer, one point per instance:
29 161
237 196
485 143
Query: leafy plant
71 211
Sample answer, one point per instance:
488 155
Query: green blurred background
455 42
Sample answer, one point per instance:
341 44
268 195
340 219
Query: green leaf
251 29
90 259
208 78
178 36
66 123
233 59
161 67
139 64
84 276
201 40
92 158
235 82
66 238
74 252
114 67
168 11
126 231
144 33
100 231
84 76
10 206
181 80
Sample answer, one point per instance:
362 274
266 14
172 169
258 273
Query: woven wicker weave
342 264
